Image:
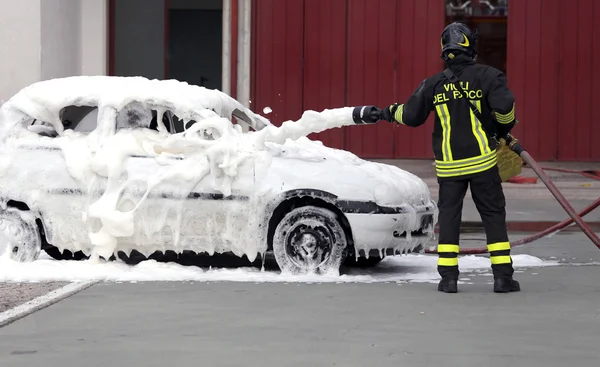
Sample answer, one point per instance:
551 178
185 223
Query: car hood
304 163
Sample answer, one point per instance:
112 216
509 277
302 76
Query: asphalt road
554 321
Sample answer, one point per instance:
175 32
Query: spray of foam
211 151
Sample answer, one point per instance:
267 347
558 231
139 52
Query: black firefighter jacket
462 144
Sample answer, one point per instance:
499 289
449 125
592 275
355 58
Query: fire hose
575 217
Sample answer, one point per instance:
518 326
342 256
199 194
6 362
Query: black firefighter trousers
486 190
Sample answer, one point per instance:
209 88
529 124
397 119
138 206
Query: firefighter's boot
448 285
502 268
506 285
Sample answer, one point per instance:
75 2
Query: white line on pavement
43 301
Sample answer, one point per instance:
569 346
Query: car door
45 173
175 202
228 221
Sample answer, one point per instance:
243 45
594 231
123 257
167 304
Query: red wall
553 64
324 74
315 54
276 76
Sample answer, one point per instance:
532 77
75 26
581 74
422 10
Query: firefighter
473 107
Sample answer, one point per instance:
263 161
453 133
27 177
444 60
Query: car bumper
391 230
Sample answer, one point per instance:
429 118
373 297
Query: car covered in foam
105 167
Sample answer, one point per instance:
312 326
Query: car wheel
309 240
20 234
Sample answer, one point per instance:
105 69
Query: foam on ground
405 268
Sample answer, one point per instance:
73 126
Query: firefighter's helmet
458 38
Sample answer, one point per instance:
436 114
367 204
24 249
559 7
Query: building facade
44 39
297 55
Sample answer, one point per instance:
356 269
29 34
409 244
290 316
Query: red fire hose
575 217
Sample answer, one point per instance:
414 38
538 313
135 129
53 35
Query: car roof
44 100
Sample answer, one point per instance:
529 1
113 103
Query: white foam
406 268
215 157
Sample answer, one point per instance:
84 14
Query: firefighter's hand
504 131
387 113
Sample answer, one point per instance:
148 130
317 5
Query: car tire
309 239
56 254
21 234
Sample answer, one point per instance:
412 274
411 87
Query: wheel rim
12 235
308 244
20 236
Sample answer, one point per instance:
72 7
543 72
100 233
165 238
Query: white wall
19 45
94 37
61 38
42 39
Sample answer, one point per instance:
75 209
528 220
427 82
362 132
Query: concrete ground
13 294
554 321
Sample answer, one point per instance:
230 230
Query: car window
136 116
79 118
179 125
182 126
240 115
236 117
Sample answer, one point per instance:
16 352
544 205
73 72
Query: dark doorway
137 38
195 42
175 39
490 20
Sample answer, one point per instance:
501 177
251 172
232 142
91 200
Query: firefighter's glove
389 112
504 130
366 115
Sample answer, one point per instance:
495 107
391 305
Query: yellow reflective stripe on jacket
484 163
506 118
482 140
444 114
459 163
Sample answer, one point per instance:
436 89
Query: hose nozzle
366 115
